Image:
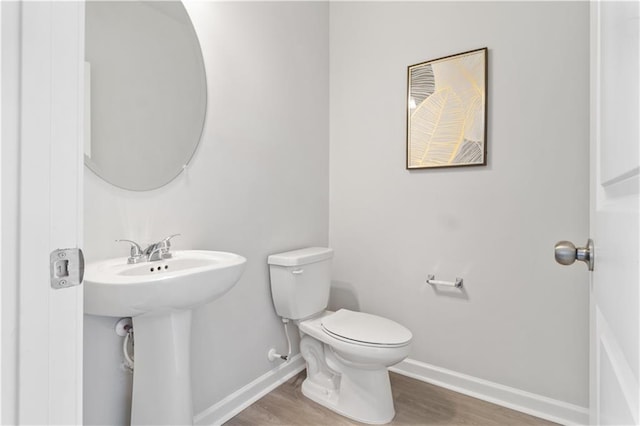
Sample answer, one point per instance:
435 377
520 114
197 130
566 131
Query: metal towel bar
432 281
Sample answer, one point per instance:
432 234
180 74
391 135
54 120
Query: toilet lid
366 328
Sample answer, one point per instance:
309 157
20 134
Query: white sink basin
191 278
159 296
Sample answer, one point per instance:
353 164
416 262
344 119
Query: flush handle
566 253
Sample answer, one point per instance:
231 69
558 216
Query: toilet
347 353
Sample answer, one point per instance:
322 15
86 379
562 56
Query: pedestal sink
159 296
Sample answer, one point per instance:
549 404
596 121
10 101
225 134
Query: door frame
42 175
602 337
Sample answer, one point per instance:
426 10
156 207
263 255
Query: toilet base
371 415
360 394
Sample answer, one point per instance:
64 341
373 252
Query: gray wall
522 320
257 185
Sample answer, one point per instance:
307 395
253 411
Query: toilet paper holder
432 281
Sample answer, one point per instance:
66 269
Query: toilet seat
365 329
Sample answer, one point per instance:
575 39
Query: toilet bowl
347 353
347 374
359 337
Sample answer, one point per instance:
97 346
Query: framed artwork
447 111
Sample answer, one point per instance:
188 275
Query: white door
615 296
48 347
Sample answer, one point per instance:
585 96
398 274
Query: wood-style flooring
416 402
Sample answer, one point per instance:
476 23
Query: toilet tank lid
301 256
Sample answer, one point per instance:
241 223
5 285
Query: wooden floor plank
416 402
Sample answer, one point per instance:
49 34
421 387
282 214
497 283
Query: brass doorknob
566 253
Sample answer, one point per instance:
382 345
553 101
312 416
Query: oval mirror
146 91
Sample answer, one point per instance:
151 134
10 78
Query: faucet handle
165 245
167 240
160 250
136 254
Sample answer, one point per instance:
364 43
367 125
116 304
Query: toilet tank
300 281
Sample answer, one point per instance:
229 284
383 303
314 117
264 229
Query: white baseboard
224 410
516 399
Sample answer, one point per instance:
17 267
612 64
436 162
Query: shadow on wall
343 296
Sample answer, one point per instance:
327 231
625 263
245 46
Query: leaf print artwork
446 112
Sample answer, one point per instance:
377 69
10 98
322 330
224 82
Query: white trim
623 373
9 290
594 131
515 399
1 375
50 210
10 82
224 410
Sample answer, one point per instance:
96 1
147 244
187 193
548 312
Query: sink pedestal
159 296
162 371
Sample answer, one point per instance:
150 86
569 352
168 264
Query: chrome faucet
160 250
154 252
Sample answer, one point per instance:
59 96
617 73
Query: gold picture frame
447 111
